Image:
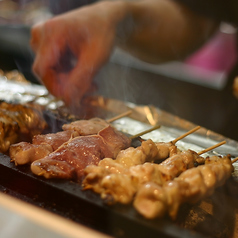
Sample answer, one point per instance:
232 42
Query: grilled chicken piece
149 151
191 186
115 172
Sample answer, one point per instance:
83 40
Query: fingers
79 81
48 51
89 48
36 32
77 84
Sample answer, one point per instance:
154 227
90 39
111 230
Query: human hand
71 48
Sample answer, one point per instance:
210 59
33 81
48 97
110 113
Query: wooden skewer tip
186 134
119 116
145 132
234 160
212 147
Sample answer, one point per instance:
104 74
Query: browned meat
149 151
19 122
8 133
24 152
111 177
29 117
21 153
69 160
191 186
86 127
55 140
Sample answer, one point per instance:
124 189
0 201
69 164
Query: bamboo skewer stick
234 160
212 147
119 116
173 141
145 132
178 138
186 134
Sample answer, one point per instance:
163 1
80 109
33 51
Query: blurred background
16 19
198 89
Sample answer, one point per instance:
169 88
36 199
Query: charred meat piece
8 133
29 117
19 122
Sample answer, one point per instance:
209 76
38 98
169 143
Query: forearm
160 30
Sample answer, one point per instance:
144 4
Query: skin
71 48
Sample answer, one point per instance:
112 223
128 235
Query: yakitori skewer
153 200
42 145
150 151
116 180
71 158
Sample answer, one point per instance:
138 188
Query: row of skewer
124 174
157 189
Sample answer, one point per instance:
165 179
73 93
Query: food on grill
86 127
42 145
94 149
19 123
111 177
153 200
71 158
150 151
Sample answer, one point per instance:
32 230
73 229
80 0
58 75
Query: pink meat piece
70 160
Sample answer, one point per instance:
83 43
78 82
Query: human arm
153 30
161 30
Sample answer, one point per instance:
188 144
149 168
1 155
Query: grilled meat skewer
153 200
70 159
